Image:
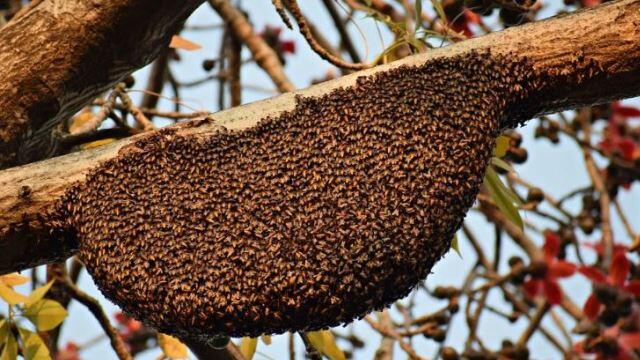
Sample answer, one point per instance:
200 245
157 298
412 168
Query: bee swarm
305 221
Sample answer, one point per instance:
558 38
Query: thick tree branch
61 54
588 57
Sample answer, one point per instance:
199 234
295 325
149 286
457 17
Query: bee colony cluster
307 220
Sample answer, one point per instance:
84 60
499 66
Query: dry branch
594 56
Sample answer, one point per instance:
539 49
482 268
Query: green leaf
501 164
34 347
503 143
439 9
504 198
248 347
10 351
418 4
45 314
324 342
39 293
455 245
10 296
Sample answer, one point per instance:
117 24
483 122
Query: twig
292 346
235 61
100 115
534 323
264 55
283 14
385 350
140 118
342 30
96 309
387 331
603 194
157 78
303 26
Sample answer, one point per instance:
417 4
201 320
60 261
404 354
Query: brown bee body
308 220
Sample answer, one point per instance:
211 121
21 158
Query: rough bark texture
584 58
63 53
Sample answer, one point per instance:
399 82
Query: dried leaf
95 144
14 279
78 121
178 42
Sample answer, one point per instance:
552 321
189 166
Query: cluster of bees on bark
308 220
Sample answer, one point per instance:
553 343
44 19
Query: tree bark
588 57
61 54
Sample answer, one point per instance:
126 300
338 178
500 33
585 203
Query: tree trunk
61 54
589 57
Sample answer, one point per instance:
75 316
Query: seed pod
535 195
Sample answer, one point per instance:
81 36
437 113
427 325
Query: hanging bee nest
307 220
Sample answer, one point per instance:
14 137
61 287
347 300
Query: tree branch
588 57
61 54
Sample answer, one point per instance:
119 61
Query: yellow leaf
248 347
502 145
79 120
178 42
95 144
45 314
34 347
14 279
10 351
38 294
172 347
10 296
324 342
266 339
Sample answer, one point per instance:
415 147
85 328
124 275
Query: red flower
624 111
598 247
271 34
462 22
615 140
590 3
626 343
127 325
69 352
547 284
618 273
